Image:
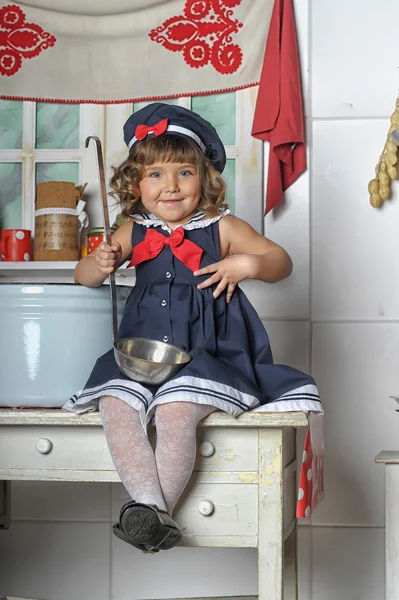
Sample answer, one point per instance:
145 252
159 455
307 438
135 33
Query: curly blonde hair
167 148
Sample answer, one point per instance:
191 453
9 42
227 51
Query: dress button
163 303
168 274
165 338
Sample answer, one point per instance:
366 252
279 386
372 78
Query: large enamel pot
51 335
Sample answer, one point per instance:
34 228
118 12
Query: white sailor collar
196 222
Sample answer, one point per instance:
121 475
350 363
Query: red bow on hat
158 129
154 242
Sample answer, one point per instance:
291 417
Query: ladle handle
107 229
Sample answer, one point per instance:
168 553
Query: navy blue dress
231 366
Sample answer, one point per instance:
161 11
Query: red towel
279 111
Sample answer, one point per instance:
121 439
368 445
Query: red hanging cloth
279 109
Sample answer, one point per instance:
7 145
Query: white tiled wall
338 315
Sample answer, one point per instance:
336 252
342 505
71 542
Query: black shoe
116 530
146 525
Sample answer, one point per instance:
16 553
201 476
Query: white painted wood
290 495
233 451
9 267
392 531
270 515
235 508
53 270
218 598
391 461
388 457
28 165
218 541
218 477
71 449
289 445
57 417
234 498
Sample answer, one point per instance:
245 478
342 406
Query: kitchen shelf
36 265
49 270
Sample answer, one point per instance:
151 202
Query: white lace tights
153 478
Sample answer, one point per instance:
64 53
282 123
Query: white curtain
119 50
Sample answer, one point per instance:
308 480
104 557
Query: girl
190 254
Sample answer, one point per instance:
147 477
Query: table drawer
212 510
70 448
227 449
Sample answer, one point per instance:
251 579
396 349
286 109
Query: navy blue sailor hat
159 118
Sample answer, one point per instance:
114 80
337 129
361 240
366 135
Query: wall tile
56 561
355 366
53 501
355 48
348 564
304 563
301 9
290 343
287 225
353 249
182 572
119 497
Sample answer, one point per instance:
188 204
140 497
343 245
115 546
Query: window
42 142
46 141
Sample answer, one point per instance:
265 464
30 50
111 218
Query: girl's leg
176 425
131 451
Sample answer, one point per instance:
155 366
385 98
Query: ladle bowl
148 361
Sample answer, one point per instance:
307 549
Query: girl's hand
108 258
228 272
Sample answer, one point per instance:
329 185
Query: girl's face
171 191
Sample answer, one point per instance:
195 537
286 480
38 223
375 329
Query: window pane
229 175
139 105
10 195
57 125
67 171
11 113
220 110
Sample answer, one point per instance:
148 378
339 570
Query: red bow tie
158 129
154 242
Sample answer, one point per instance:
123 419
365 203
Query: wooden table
248 464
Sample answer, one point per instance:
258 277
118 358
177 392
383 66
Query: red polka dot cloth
311 480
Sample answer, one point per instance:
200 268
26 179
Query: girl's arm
270 262
246 254
92 270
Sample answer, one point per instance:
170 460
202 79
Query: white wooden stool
391 462
249 462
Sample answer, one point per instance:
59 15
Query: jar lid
96 231
100 231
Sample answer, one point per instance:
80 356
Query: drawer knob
206 508
44 445
207 449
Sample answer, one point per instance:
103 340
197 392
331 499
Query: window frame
106 122
91 122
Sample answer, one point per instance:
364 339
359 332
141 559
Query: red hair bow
158 129
154 242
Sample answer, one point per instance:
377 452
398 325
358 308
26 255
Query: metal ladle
140 359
